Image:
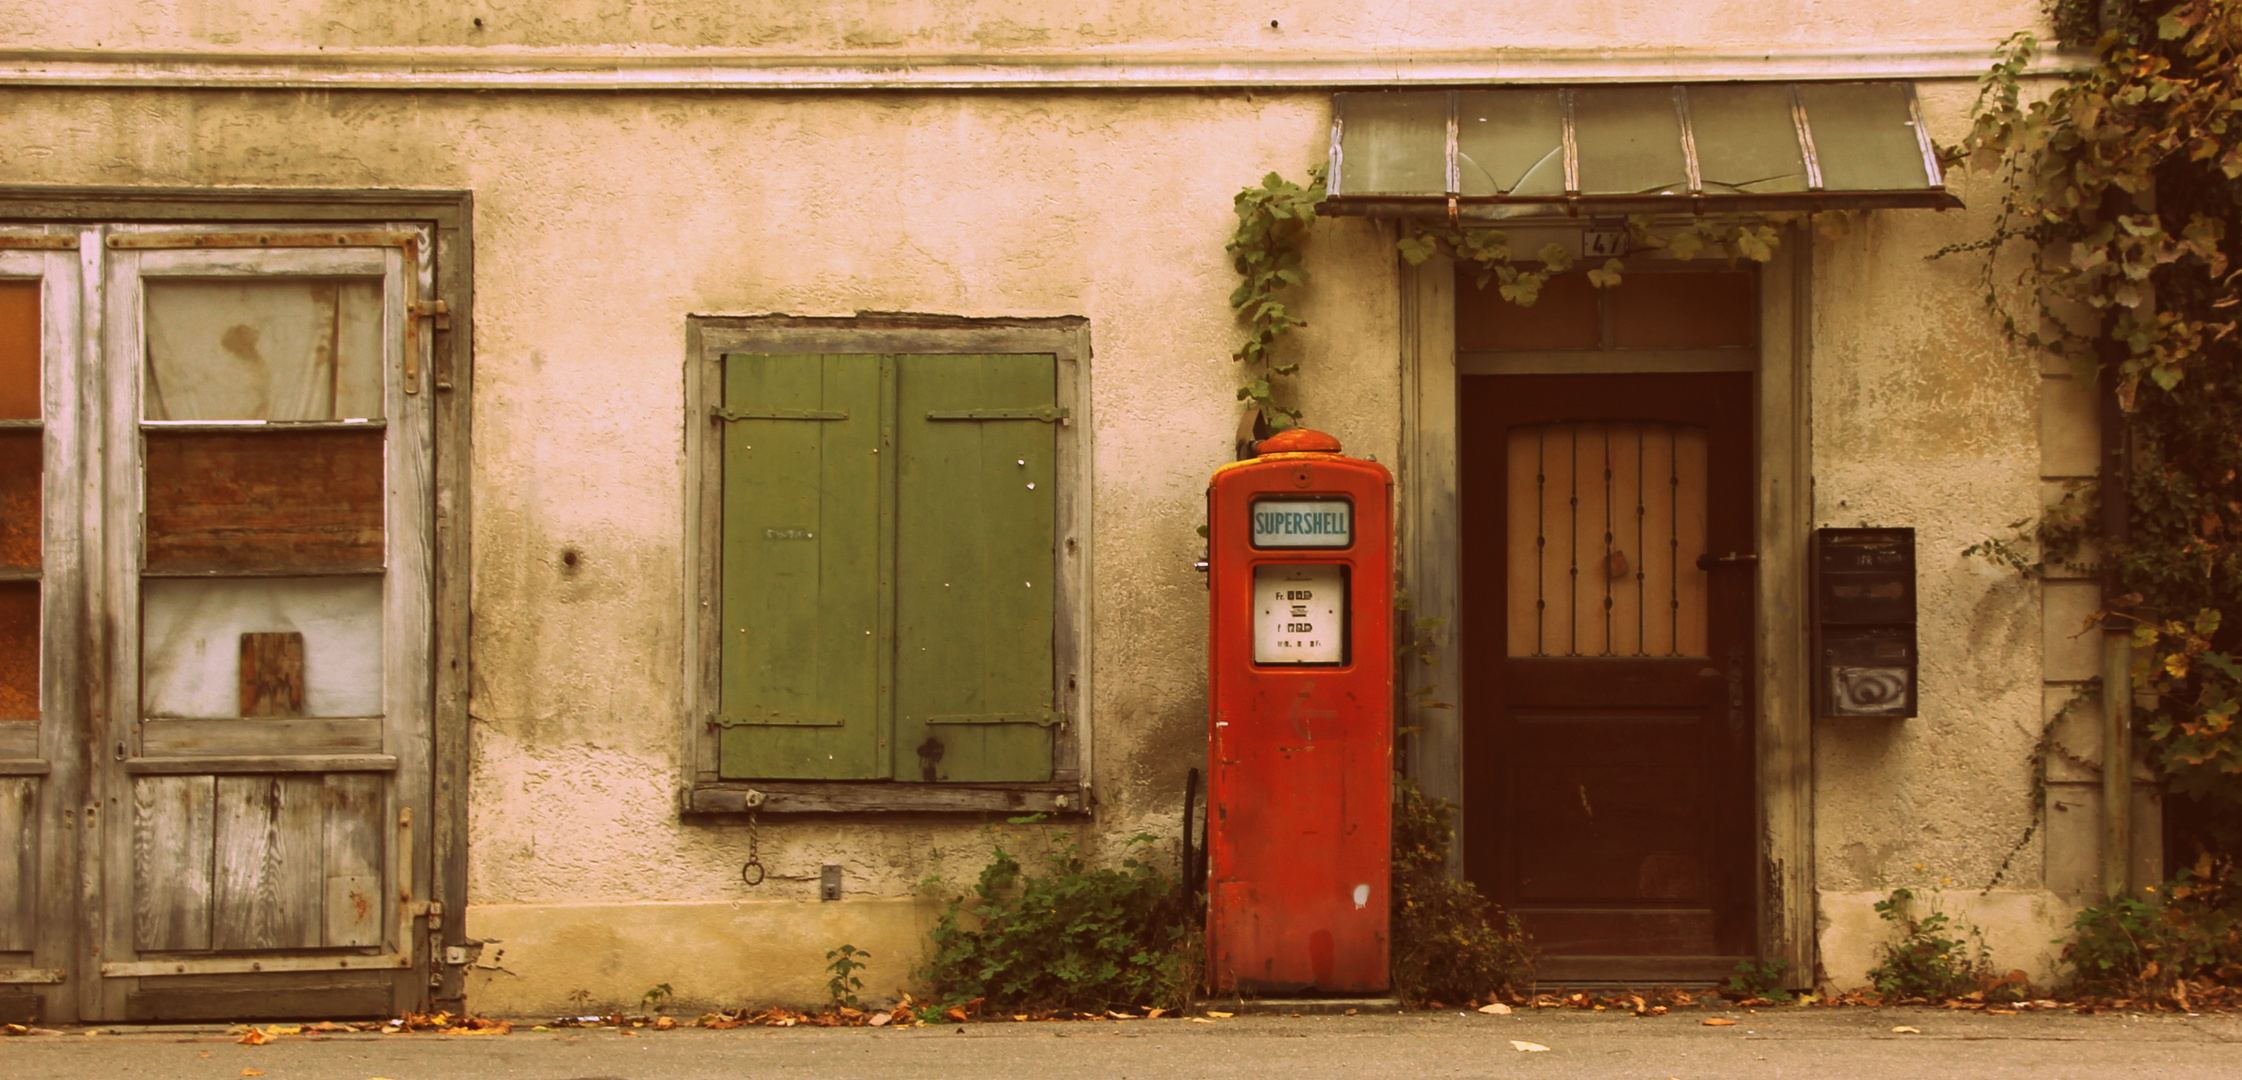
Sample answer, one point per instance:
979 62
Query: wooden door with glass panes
41 587
1609 588
266 544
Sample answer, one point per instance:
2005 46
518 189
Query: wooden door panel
173 827
1607 788
1609 932
19 864
258 862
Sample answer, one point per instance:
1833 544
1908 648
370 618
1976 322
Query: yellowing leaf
1718 1021
1524 1047
1219 1015
1903 1029
1496 1009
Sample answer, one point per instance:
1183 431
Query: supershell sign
1300 614
1303 523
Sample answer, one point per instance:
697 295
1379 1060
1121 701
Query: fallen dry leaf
954 1014
1496 1009
1198 1019
1526 1047
665 1023
879 1019
1903 1029
2000 1012
1718 1021
252 1072
1219 1015
254 1037
1154 1014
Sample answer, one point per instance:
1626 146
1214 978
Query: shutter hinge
1049 414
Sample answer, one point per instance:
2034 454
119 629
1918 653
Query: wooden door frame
69 883
1428 548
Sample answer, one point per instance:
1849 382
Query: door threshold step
1315 1006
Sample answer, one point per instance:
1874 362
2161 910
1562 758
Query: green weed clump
1450 944
1935 957
2153 949
1073 937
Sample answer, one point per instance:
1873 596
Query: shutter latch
1049 414
721 413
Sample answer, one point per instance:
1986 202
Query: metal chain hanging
752 871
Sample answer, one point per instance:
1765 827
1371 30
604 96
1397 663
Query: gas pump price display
1300 614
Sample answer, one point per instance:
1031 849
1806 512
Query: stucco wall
601 224
1384 27
604 221
1925 417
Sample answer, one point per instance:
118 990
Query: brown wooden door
1608 684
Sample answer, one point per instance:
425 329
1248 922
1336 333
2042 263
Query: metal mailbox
1864 622
1300 736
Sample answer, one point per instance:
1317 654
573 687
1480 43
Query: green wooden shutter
804 567
975 532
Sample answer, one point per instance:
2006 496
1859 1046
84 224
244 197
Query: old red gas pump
1300 742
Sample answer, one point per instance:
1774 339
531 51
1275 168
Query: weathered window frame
1067 340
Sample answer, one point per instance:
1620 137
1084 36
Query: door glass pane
1606 523
1511 142
1747 140
1630 140
195 665
19 350
264 349
19 650
1394 143
264 500
20 498
1864 136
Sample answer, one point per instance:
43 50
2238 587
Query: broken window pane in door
19 350
21 502
264 500
263 349
19 650
324 634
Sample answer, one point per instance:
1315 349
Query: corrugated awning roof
1632 149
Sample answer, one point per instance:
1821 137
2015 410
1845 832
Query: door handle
1710 561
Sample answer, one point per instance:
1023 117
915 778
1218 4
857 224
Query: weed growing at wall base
1449 943
1074 937
1935 957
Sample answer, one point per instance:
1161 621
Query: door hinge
437 312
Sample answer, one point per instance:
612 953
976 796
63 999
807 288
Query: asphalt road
1786 1043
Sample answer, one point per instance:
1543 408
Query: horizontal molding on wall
704 70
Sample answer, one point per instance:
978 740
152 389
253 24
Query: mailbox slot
1865 659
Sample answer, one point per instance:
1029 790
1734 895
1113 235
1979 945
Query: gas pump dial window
1300 614
1303 523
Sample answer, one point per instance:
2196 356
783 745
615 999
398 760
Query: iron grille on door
1606 523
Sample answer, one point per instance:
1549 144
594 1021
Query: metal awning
1632 149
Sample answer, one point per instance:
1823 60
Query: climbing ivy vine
1276 218
2111 248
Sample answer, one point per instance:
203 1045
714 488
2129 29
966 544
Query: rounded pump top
1297 441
